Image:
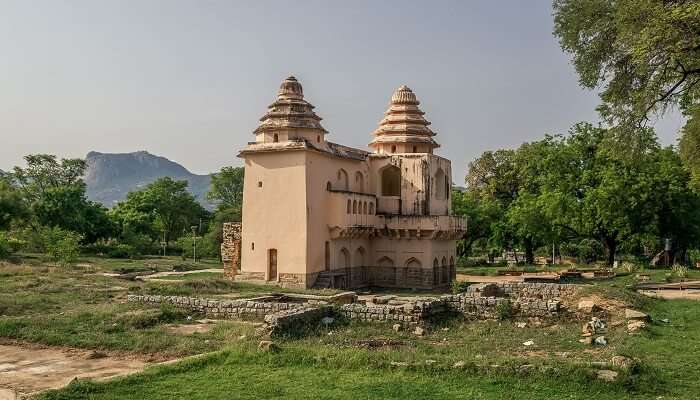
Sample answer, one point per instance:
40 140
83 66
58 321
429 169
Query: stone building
319 214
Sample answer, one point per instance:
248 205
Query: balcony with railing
352 209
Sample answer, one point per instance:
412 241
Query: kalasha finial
291 88
404 95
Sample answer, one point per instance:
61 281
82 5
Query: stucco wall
274 214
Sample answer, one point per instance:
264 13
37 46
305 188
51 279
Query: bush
9 244
505 310
61 245
459 287
627 266
679 271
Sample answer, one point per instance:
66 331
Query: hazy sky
189 80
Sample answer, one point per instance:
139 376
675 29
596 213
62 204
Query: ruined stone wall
231 249
293 320
228 309
408 313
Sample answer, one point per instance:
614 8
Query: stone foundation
479 301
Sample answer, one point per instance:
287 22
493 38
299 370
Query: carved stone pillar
231 249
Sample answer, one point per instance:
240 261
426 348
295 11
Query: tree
689 147
644 53
43 172
227 187
480 213
163 206
12 205
67 207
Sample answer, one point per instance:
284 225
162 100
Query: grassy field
79 307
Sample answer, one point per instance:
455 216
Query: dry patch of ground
689 294
28 369
488 279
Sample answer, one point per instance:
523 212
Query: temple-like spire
290 111
403 128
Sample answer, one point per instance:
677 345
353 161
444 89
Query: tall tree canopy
55 193
645 54
164 207
227 187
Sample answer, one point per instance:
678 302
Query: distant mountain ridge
110 176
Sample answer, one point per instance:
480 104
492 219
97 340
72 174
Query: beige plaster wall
275 214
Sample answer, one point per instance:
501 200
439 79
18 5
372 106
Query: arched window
385 262
364 208
415 149
275 138
440 184
342 179
359 258
413 263
391 181
444 272
436 272
349 206
318 139
327 264
344 259
393 149
371 208
328 186
359 181
354 206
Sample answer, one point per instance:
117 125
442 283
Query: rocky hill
110 176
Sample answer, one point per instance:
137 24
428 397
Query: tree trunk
610 245
529 251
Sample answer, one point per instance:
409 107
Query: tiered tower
403 129
290 117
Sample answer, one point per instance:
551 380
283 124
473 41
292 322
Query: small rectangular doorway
272 265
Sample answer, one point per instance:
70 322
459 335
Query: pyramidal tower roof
290 110
403 122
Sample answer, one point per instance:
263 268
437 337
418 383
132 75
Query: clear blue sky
188 80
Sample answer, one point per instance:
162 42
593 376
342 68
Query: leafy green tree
689 147
12 204
55 195
227 187
44 172
68 208
481 214
644 53
164 207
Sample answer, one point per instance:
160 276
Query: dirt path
688 294
27 369
488 279
157 275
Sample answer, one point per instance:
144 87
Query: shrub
61 245
679 271
9 244
505 310
627 266
459 287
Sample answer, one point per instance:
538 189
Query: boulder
587 306
327 321
419 331
458 364
622 362
607 375
267 346
396 327
634 326
587 341
636 315
601 341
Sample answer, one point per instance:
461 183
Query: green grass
79 307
